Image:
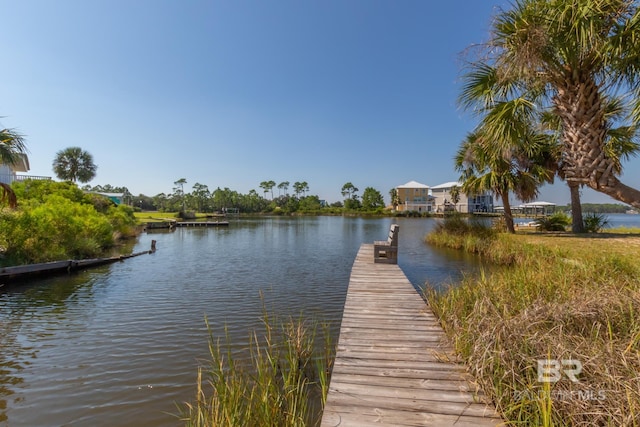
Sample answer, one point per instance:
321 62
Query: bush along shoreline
57 221
552 335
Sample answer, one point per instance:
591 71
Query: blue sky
233 93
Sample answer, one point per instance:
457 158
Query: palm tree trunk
577 225
620 191
8 195
585 161
508 216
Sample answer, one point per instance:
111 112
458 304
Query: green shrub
38 190
559 221
55 229
122 220
594 222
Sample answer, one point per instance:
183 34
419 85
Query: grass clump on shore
283 382
560 297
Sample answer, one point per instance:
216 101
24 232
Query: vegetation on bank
549 297
56 221
283 382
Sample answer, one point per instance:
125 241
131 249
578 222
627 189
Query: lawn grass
555 297
155 216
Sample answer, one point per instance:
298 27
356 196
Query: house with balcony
414 196
9 173
442 200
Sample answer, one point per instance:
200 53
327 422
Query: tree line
202 199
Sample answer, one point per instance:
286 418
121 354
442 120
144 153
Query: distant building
8 173
466 204
414 196
116 198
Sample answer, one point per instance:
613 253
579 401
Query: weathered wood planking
393 363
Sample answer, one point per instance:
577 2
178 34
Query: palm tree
485 168
297 188
455 196
284 185
12 146
74 164
567 57
266 187
179 191
395 200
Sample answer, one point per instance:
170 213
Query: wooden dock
393 364
22 272
202 224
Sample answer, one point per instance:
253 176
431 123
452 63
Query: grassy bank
555 297
282 382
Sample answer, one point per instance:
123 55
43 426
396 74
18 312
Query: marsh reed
554 297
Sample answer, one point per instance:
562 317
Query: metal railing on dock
393 364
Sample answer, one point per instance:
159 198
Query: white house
466 204
8 173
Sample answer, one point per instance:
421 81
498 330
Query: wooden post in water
153 246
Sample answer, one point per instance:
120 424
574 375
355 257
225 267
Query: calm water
120 345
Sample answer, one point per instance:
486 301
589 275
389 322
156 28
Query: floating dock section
202 224
22 272
393 364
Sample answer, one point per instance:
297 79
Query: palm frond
12 145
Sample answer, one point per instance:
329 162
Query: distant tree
304 187
160 202
178 191
310 203
395 199
353 203
348 190
267 186
201 194
284 185
372 199
455 196
74 164
12 145
300 187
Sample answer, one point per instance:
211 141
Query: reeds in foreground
552 336
283 382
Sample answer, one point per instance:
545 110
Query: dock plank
394 365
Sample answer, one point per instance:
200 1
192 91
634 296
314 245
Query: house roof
413 184
21 164
537 204
447 185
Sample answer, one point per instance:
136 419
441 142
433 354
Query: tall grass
556 298
283 382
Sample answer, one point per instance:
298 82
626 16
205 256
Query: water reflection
120 344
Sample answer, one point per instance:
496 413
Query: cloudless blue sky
232 93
